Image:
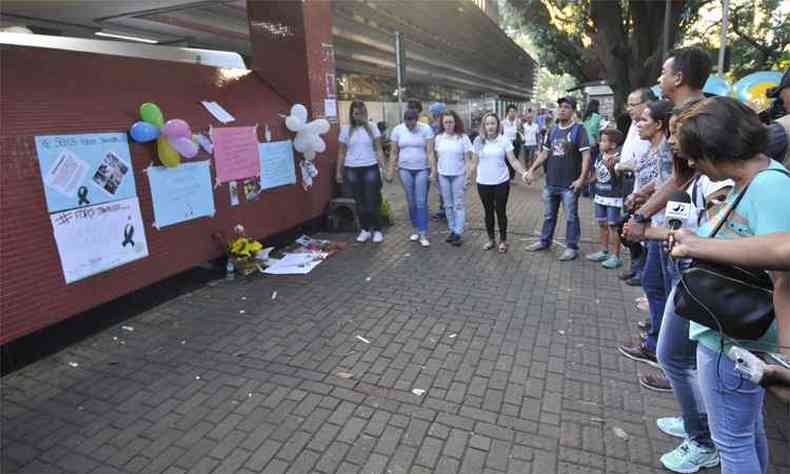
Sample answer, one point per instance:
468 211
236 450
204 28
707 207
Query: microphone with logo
678 211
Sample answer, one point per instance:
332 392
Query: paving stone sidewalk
516 355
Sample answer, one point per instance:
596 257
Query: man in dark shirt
565 157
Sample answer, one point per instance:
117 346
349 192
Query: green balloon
150 113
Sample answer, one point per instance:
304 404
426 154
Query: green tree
616 40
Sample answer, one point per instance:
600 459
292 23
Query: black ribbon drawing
82 193
128 233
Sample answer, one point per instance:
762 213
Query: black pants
494 197
365 184
516 152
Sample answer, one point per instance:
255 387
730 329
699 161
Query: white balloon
318 144
309 154
323 126
299 111
302 142
294 124
318 127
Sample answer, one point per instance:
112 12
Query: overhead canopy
448 42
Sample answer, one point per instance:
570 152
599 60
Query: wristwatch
640 218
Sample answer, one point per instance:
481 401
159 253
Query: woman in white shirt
492 152
412 152
453 150
359 157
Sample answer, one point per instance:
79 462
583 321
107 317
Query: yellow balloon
167 154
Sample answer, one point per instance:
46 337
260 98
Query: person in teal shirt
723 139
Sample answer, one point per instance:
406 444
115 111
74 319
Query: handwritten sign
235 153
277 164
96 238
181 194
87 169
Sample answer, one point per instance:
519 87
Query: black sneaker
633 281
639 353
457 241
626 275
450 237
655 382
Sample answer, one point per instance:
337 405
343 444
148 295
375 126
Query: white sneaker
378 237
414 237
363 236
424 241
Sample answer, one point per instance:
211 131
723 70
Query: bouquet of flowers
242 251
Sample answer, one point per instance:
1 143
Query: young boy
608 199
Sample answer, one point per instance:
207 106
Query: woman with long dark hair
358 159
453 150
492 152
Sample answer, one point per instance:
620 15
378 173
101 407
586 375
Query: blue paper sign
180 194
82 170
277 164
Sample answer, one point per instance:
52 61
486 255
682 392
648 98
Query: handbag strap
740 196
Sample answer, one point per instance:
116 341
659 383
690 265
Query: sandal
503 246
489 245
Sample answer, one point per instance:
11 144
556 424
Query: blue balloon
716 85
143 132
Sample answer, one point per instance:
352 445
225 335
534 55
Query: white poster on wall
94 239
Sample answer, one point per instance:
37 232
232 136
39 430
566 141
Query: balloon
309 154
299 111
175 128
167 155
752 88
318 144
143 132
294 124
184 146
302 142
716 85
150 113
320 126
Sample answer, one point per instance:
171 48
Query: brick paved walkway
516 355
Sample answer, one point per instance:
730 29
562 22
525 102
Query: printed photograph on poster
252 189
180 194
66 173
330 85
330 107
110 173
94 239
74 167
233 187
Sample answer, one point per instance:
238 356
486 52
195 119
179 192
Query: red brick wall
47 92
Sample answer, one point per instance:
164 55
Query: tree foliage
616 40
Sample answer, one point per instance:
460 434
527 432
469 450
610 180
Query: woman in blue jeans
412 152
723 139
453 151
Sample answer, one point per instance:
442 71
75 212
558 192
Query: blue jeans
677 355
365 184
552 197
452 188
735 414
415 184
654 283
441 211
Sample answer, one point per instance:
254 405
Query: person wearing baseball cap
565 157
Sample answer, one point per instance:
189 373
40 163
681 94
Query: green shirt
593 127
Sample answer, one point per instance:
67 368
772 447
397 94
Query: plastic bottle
230 271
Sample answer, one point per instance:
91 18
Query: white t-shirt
491 160
413 155
633 149
531 134
451 153
360 149
510 129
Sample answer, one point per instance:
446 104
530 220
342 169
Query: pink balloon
176 128
184 146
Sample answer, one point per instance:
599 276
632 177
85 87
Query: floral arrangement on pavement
242 252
